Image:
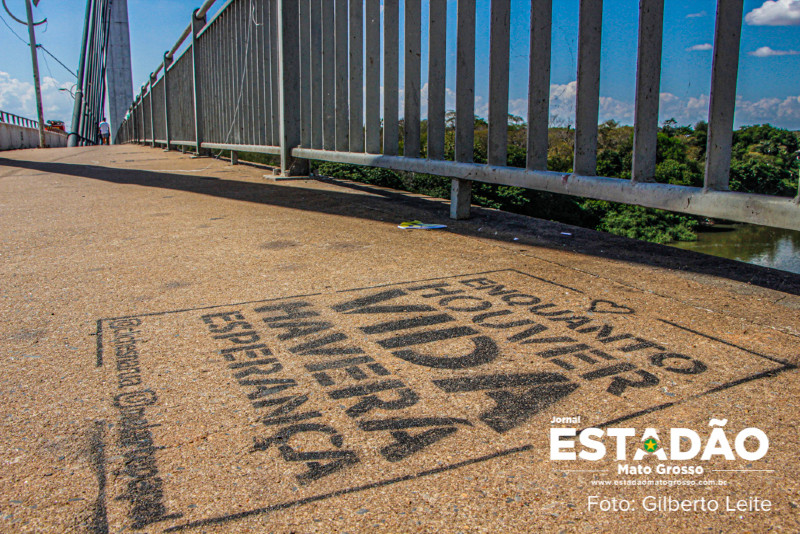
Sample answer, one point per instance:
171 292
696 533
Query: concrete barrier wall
13 137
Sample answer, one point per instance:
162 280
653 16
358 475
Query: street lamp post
34 57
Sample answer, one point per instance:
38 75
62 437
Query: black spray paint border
784 366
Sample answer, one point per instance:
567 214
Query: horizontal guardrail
18 132
302 79
10 118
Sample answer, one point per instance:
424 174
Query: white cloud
19 97
684 110
781 112
696 15
766 51
700 47
784 113
775 13
562 106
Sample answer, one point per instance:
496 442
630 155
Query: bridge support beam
119 80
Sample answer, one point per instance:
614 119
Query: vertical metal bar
328 76
413 46
342 114
356 75
391 54
437 39
316 73
222 63
373 78
208 79
460 198
269 118
239 97
246 109
237 38
648 84
243 75
228 45
305 73
275 66
498 82
539 83
135 118
289 75
221 72
587 104
253 110
461 190
152 126
167 63
197 25
266 74
724 71
248 136
254 119
210 56
254 76
465 82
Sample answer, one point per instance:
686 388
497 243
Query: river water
760 245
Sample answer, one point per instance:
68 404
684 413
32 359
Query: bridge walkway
188 346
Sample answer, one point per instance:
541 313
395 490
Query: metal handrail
18 120
288 77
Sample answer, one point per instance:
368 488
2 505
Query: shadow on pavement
381 204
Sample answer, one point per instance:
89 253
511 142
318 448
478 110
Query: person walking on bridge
105 130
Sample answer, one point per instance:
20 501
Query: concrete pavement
188 346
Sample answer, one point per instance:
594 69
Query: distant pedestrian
105 130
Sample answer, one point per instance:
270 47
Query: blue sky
768 86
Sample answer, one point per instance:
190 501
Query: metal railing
302 79
10 118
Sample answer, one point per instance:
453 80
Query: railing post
411 78
461 190
391 55
167 63
152 126
722 101
134 107
289 79
587 101
539 83
648 83
197 24
144 129
140 119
